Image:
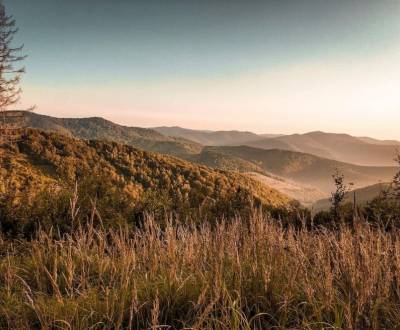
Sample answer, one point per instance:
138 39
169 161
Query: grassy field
242 274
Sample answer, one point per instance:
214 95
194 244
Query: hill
39 160
307 169
209 138
302 169
96 128
341 147
179 141
218 160
306 195
380 142
363 195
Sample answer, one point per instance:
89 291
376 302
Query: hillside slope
223 161
380 142
40 158
307 169
210 138
306 195
179 141
340 147
96 128
301 168
363 195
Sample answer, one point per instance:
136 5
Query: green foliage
96 200
338 195
396 182
122 183
215 159
382 211
305 168
97 128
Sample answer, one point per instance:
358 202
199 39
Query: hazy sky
266 66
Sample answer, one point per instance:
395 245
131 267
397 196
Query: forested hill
96 128
308 169
304 169
39 160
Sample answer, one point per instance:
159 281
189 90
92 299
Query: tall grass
240 274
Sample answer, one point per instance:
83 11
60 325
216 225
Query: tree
338 195
396 181
385 208
10 76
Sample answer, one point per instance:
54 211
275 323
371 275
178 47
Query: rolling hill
178 141
340 147
147 139
276 158
39 159
363 195
363 151
96 128
306 195
379 142
209 138
307 169
223 161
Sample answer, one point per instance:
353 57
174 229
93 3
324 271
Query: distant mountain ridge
42 159
340 147
181 141
276 156
209 138
307 169
379 142
97 128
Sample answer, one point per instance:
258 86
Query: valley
275 161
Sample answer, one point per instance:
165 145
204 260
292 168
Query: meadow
239 274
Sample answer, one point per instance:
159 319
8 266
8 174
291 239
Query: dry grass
239 275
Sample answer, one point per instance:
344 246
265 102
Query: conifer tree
11 71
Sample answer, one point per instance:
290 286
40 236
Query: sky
273 66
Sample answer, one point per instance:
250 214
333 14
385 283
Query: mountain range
211 138
341 147
301 165
307 169
96 128
39 160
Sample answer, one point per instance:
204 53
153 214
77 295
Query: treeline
50 180
382 211
53 181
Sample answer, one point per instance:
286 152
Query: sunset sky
264 66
